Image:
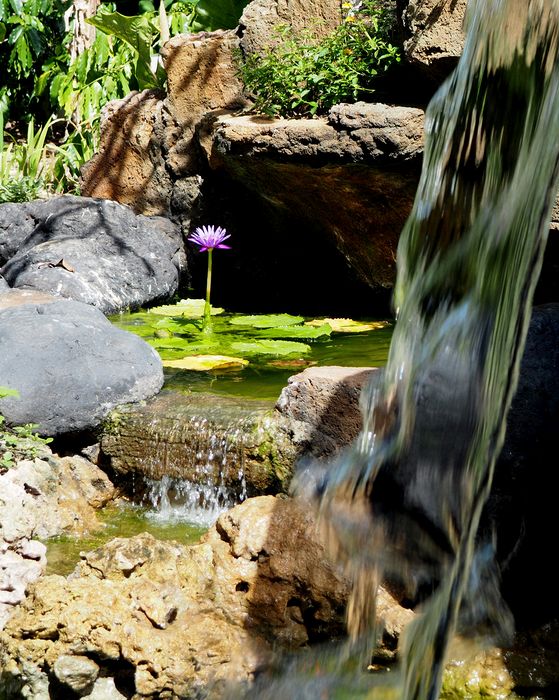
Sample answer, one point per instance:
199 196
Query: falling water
405 502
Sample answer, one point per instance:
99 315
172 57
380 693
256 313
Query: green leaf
137 32
5 391
17 6
302 332
217 14
270 347
2 31
204 363
189 308
266 321
346 325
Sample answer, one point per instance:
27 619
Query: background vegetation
63 63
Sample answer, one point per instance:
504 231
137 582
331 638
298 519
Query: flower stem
207 323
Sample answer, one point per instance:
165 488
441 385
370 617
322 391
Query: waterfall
405 502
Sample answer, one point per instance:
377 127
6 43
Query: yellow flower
346 6
350 18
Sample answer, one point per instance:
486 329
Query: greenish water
123 520
265 376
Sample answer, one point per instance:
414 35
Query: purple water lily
209 237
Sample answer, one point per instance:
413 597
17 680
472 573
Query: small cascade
188 457
199 501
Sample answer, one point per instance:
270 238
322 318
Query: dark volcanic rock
70 365
94 251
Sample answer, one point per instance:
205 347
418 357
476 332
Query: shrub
303 76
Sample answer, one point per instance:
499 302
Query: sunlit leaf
266 321
189 308
205 362
270 347
217 14
302 332
347 325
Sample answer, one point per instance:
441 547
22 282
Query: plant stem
207 324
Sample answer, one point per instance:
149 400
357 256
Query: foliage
19 442
31 167
217 14
176 331
305 76
30 31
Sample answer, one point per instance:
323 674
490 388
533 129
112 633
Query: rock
105 689
93 251
76 672
435 35
321 406
166 618
70 365
163 129
261 17
21 563
200 438
129 167
296 166
4 286
50 497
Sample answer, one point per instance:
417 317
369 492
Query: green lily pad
203 363
266 321
270 347
303 332
347 325
172 342
189 308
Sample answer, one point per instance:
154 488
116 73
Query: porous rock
70 365
50 496
260 19
435 35
94 251
182 620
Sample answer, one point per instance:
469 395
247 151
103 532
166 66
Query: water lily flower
208 238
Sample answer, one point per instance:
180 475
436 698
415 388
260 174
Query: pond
363 343
270 358
121 520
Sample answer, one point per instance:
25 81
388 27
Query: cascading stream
406 501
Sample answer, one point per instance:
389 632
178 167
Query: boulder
435 35
164 619
21 564
94 251
321 407
129 167
261 17
43 497
201 77
351 176
50 496
70 365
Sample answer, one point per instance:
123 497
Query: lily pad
303 332
266 321
298 363
189 308
347 325
203 363
270 347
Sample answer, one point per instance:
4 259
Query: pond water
263 378
266 375
121 520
